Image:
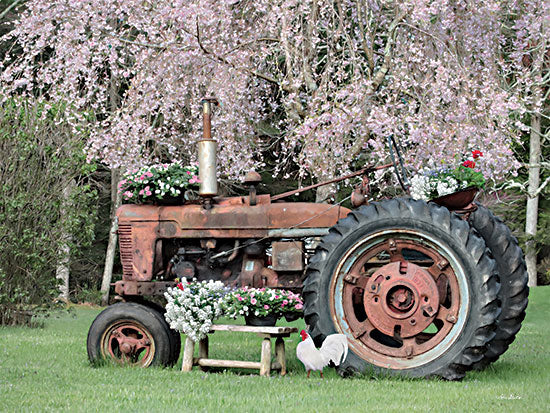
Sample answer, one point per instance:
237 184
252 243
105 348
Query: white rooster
334 348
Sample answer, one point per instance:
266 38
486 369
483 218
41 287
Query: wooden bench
264 365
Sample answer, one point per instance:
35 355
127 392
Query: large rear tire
129 334
513 277
411 286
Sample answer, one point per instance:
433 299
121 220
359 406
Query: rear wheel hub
401 299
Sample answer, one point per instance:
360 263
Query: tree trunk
111 246
63 269
531 215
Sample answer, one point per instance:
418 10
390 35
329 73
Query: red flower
476 154
180 286
469 164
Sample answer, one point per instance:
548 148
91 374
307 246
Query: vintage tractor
418 288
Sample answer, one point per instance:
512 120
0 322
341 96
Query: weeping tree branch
9 8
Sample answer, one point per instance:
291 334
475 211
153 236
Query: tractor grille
126 250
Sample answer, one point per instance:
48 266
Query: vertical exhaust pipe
207 153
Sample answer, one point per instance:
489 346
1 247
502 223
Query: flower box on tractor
418 289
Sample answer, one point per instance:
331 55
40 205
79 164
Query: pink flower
285 302
253 301
266 307
149 174
239 298
141 192
188 172
128 194
299 306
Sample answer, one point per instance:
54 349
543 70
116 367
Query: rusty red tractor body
419 289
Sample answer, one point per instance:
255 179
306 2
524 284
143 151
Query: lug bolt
451 318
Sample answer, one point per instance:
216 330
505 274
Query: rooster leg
321 373
309 371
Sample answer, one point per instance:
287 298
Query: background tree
330 81
335 77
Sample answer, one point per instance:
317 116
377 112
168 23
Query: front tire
175 337
129 334
409 284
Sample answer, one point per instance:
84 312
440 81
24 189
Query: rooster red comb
303 333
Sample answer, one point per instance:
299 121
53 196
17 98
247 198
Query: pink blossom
463 104
299 306
266 307
253 301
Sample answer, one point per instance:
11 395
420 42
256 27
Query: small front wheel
129 334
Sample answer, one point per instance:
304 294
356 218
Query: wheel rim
128 342
401 297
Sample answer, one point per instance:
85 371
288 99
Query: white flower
193 309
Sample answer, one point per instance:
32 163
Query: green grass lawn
47 369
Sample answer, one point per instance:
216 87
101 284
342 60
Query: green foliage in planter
45 202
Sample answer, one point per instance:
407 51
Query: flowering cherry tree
335 78
332 79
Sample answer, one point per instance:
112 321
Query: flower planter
261 321
168 201
457 200
290 317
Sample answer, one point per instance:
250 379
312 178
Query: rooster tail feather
335 348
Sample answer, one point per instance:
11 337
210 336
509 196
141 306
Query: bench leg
280 354
203 351
188 351
265 362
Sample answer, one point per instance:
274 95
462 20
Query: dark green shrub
40 156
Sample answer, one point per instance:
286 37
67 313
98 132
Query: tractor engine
261 245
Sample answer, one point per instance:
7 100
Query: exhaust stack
207 153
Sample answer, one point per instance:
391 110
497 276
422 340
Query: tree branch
223 60
383 70
7 9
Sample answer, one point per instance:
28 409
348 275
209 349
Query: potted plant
452 187
161 183
262 306
192 307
